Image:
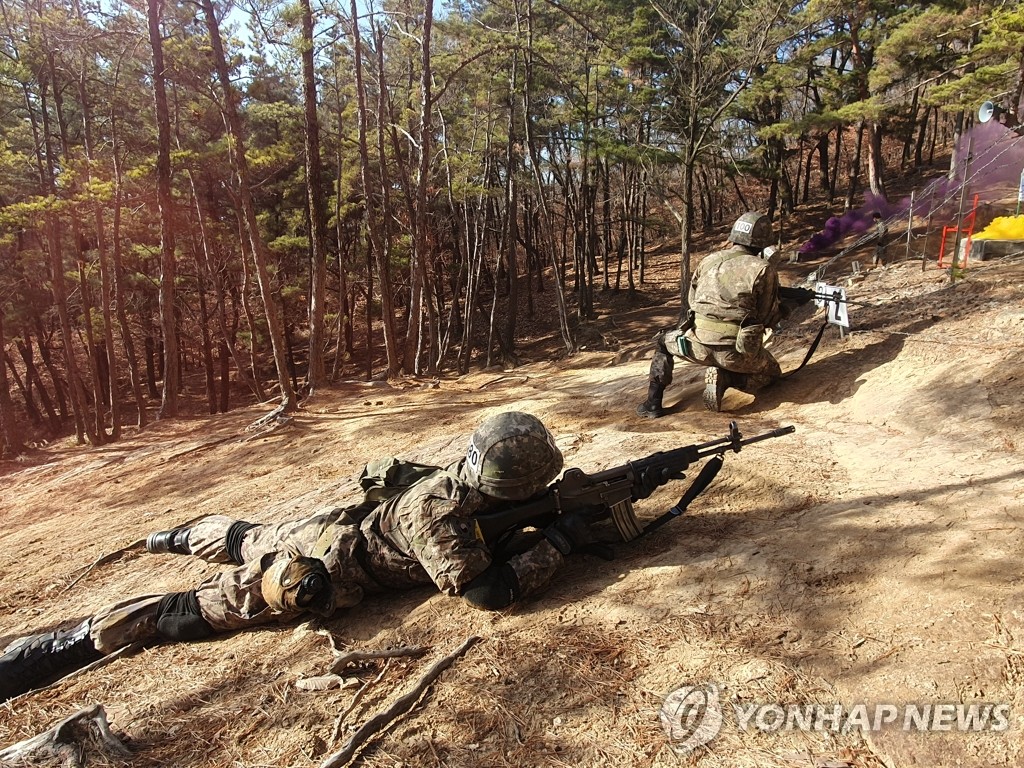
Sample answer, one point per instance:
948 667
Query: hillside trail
872 556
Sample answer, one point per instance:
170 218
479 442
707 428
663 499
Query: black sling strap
810 351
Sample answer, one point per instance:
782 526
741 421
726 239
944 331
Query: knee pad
178 617
233 539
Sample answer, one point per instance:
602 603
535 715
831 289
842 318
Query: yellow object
1003 228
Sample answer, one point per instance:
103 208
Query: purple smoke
854 221
996 157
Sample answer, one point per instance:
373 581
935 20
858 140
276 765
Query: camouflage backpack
385 478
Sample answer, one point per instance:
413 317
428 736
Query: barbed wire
952 191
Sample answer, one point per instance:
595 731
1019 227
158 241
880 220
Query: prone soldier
402 536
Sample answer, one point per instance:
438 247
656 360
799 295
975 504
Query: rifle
613 491
803 295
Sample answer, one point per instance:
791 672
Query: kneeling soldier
733 297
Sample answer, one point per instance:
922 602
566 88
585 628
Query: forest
252 200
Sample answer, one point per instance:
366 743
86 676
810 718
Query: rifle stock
612 492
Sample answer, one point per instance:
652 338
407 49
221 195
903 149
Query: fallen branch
68 741
355 656
521 379
277 415
401 705
278 423
336 733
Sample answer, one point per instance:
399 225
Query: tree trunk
44 353
376 249
316 376
119 282
922 132
32 377
512 217
346 311
108 362
422 288
168 265
83 427
275 322
204 329
686 224
379 223
854 173
31 410
10 437
545 217
954 158
823 168
876 161
85 293
250 319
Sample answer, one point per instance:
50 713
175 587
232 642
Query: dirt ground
873 556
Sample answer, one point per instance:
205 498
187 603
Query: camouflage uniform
733 298
415 526
424 535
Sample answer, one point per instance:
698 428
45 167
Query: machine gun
613 491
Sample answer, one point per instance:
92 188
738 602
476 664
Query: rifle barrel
786 430
827 298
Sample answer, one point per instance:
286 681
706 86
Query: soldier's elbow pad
178 617
494 589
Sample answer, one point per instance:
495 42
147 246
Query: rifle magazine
625 521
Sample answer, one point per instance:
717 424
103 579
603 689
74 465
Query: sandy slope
873 556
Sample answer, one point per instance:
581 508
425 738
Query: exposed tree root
68 741
398 708
128 650
138 544
352 657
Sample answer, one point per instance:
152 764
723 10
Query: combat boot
174 541
651 408
37 660
716 381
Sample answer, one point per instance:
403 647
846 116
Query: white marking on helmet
474 457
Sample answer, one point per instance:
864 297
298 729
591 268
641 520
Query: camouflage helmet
511 456
294 583
753 230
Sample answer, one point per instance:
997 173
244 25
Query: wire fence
942 199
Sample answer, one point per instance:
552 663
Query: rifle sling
807 357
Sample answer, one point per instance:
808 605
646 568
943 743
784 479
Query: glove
647 482
570 533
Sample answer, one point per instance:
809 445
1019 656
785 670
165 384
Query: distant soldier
415 527
734 297
881 233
